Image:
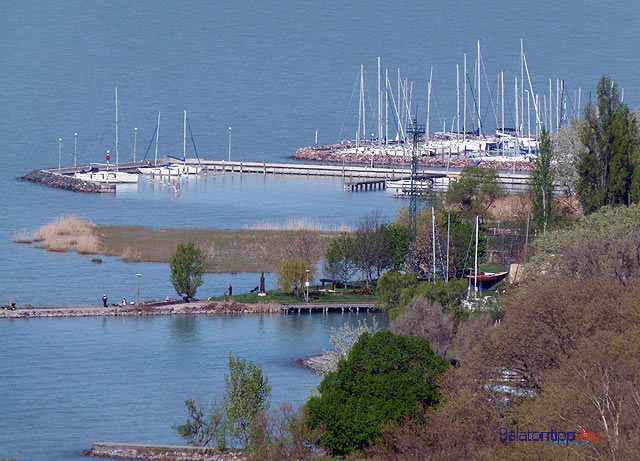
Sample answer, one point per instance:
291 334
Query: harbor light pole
135 141
75 150
229 144
59 155
307 287
138 294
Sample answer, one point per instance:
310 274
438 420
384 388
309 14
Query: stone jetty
159 452
58 181
144 309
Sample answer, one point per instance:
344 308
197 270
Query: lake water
69 382
274 72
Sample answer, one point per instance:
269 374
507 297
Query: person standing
104 300
230 290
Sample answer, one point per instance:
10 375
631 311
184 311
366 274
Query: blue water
125 379
274 72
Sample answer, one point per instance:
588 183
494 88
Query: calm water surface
69 382
275 72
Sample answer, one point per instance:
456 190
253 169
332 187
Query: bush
383 379
187 268
293 275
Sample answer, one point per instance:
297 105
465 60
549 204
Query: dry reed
24 236
67 233
297 224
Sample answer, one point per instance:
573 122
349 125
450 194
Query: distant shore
145 309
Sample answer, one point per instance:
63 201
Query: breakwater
193 308
159 452
71 183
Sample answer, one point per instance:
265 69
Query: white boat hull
110 177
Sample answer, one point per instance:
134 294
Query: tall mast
517 146
379 105
184 142
117 140
155 163
386 106
502 100
429 104
359 112
479 89
398 106
557 104
522 78
458 98
528 123
364 116
579 97
475 277
464 122
135 142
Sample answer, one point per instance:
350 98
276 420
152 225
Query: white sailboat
172 169
113 176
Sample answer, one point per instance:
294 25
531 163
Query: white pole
59 155
230 144
464 121
522 80
579 97
458 98
479 89
364 109
528 123
502 101
429 104
184 138
155 163
557 104
386 106
433 230
475 277
75 150
135 143
379 105
448 234
516 148
550 108
359 112
117 139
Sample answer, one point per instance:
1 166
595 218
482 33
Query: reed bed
24 236
296 224
68 233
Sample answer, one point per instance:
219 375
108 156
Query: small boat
109 177
488 277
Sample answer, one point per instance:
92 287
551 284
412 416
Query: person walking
230 290
104 300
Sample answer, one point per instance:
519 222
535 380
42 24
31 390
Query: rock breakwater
159 452
58 181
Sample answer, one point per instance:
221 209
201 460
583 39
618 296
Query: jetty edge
180 308
65 182
132 451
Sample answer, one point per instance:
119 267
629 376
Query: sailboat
113 176
172 169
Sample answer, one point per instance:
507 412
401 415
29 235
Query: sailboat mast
464 122
433 232
117 140
386 106
429 105
184 143
502 100
155 163
458 98
479 88
522 79
475 277
379 105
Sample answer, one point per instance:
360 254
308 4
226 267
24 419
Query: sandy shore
192 308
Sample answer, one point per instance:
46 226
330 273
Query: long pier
514 181
325 308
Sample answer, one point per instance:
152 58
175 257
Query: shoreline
192 308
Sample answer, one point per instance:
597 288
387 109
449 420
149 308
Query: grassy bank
226 250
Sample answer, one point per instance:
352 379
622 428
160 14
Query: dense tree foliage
605 243
475 192
383 379
187 268
247 393
609 162
339 259
293 275
542 179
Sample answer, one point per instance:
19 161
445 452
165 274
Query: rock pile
58 181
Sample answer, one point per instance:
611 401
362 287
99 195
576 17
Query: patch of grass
24 236
315 296
226 250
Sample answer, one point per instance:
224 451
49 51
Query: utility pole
415 130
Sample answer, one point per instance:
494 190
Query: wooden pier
325 308
371 184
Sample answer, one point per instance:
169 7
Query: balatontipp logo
552 436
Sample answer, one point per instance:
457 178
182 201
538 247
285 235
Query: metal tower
416 130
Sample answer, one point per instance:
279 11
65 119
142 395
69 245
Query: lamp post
307 287
75 150
229 144
138 294
135 141
59 155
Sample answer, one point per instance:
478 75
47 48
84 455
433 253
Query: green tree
475 192
293 275
204 425
187 268
248 393
542 180
339 261
608 162
383 379
396 237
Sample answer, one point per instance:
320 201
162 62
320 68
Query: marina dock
355 177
